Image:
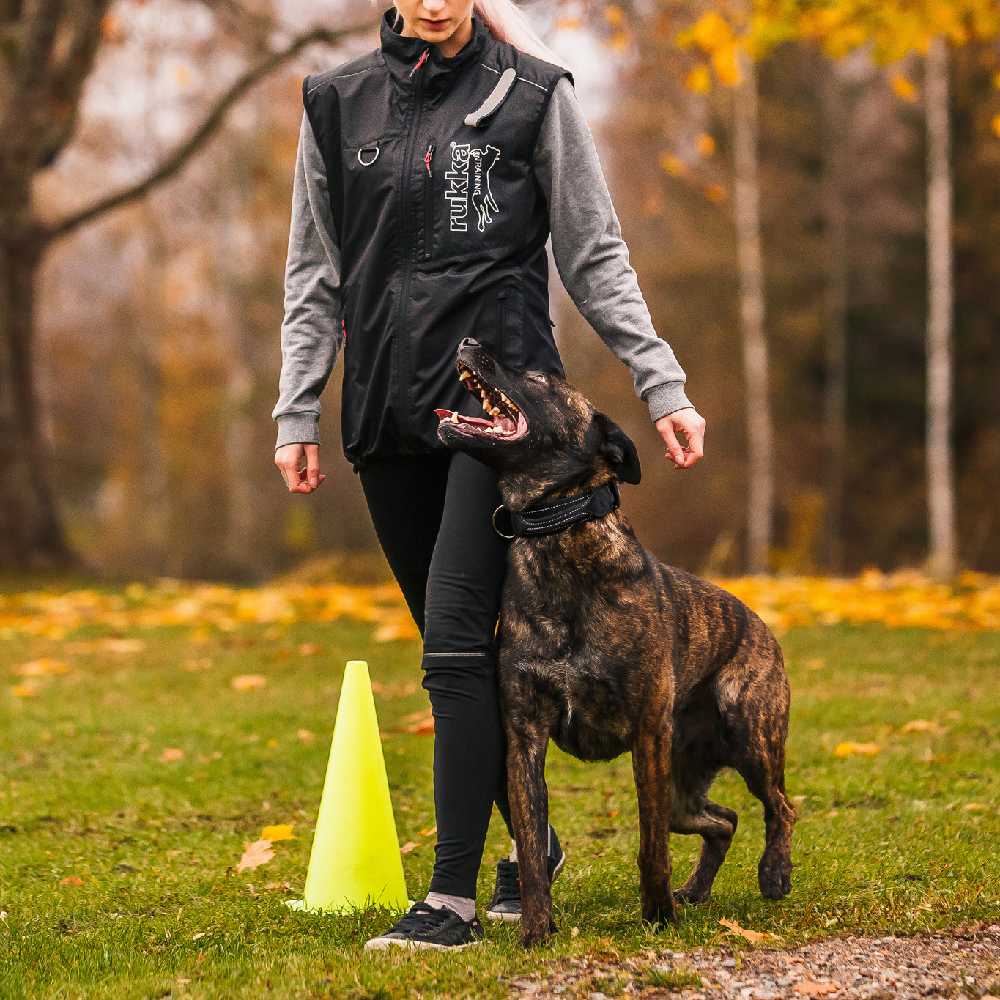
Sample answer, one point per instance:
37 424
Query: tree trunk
835 125
30 533
940 461
751 273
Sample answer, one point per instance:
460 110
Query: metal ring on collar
364 150
496 529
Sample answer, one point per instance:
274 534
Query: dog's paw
775 880
689 897
660 913
532 939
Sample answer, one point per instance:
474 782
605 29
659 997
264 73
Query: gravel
963 962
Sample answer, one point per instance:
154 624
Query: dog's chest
571 660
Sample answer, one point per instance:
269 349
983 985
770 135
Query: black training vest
441 224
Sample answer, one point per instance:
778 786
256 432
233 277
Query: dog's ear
618 450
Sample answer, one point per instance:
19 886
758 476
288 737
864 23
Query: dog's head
543 436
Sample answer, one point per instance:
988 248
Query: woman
430 174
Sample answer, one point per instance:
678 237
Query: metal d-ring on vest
364 150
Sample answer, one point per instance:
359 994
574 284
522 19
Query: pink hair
509 24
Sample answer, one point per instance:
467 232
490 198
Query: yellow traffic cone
355 859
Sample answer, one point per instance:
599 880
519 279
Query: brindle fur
604 649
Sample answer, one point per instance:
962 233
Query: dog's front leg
651 766
529 810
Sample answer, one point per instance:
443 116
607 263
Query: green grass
884 843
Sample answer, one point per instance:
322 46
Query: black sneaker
506 902
427 927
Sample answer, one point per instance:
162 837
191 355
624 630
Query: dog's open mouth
506 421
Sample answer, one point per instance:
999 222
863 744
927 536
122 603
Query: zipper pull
421 61
429 159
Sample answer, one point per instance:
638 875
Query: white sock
464 907
513 847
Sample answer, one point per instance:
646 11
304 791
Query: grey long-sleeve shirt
590 254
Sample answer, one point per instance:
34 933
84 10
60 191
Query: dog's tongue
443 414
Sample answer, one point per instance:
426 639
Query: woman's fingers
312 476
692 425
288 458
674 450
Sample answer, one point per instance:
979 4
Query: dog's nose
469 342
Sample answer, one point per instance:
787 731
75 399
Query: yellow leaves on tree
705 144
672 164
699 80
903 88
715 37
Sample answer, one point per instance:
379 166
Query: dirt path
962 962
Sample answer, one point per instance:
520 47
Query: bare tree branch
251 28
180 156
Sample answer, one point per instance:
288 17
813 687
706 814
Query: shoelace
422 917
508 885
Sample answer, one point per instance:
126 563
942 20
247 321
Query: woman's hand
288 458
692 425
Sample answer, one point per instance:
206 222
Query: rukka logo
469 175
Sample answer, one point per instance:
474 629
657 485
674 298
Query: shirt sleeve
311 333
592 258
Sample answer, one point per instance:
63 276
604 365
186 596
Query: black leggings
433 517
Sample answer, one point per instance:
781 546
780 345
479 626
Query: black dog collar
558 516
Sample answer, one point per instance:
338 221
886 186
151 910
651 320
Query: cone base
302 906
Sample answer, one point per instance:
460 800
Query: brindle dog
604 649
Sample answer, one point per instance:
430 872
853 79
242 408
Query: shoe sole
515 918
383 944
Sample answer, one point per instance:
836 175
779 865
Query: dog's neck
521 492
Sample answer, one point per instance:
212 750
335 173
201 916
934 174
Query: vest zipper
402 342
429 202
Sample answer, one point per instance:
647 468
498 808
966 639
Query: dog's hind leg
717 825
760 760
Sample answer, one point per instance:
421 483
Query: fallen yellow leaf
305 735
428 831
974 806
24 691
923 726
846 749
71 880
170 754
254 855
245 682
734 928
42 668
407 847
281 831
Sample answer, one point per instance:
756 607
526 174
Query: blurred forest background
144 444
